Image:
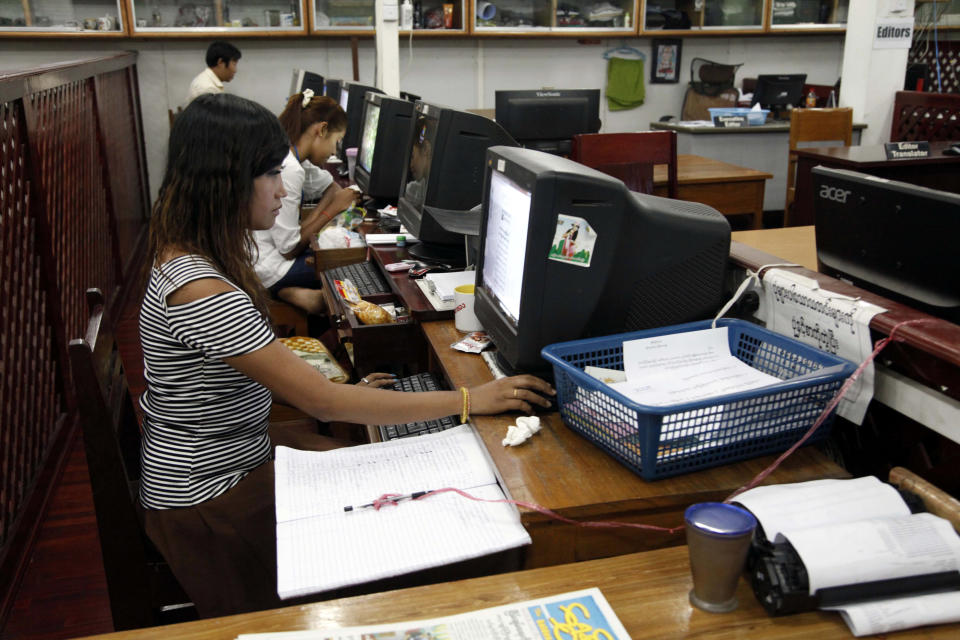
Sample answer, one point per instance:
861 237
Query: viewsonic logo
835 193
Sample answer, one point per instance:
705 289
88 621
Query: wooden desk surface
648 592
692 169
790 244
560 470
874 155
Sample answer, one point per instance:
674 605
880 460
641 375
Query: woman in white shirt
314 124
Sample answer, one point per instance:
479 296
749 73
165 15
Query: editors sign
893 33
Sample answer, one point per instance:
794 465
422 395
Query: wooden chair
814 125
287 319
630 156
173 115
919 115
142 590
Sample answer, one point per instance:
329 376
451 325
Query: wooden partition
73 211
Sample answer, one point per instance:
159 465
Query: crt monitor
331 88
777 92
568 252
547 120
306 80
351 100
443 178
386 130
892 238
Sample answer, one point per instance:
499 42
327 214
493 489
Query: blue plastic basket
657 442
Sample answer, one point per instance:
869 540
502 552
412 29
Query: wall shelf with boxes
431 18
65 18
203 18
436 18
743 17
572 18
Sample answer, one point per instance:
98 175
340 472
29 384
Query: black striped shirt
205 423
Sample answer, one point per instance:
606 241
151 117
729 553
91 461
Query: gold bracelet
465 408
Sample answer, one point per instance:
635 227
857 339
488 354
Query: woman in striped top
211 363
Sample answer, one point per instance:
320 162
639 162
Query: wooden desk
763 148
791 244
647 591
936 171
729 189
560 470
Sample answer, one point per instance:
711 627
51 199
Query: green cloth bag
625 88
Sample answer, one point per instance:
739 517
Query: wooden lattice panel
118 118
30 402
65 136
925 53
918 115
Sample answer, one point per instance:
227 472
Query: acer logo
834 193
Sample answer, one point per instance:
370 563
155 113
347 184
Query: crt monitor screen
443 176
893 238
352 99
568 252
420 160
541 115
368 139
779 90
385 141
505 244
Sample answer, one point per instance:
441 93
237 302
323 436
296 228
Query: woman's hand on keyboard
518 393
377 380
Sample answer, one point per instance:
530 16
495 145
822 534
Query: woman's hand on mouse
517 393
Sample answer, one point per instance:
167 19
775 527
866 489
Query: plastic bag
336 237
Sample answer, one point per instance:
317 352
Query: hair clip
307 97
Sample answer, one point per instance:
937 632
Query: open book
853 546
321 545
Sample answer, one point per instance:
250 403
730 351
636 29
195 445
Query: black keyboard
364 275
419 382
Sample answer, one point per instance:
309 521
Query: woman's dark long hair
295 118
218 145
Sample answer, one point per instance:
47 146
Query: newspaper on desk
577 614
796 306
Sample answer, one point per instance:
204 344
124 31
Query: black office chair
142 589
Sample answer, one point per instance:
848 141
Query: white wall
451 72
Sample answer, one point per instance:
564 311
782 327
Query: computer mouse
952 151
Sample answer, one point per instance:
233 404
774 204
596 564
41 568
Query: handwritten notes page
876 549
871 618
817 503
685 367
321 547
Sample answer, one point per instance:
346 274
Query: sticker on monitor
573 241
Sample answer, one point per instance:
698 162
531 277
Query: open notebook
320 546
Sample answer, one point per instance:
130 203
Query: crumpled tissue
518 433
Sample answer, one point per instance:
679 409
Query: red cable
392 498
